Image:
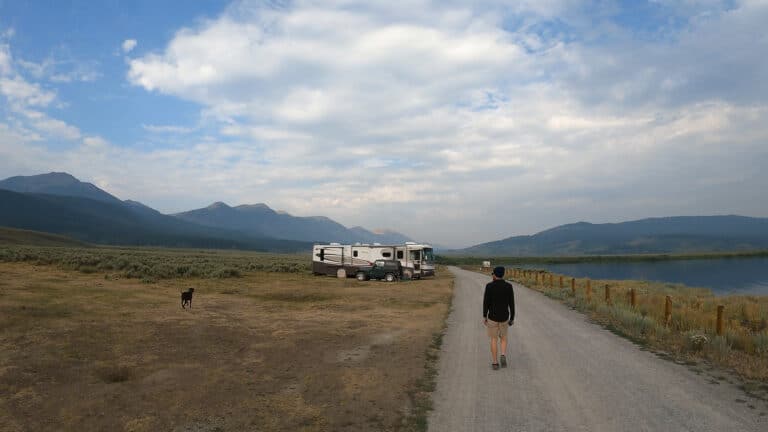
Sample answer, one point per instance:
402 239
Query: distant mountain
259 219
56 183
48 202
682 234
98 221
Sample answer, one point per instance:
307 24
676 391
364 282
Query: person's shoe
495 366
503 361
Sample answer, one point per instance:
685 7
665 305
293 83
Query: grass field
153 264
690 332
98 349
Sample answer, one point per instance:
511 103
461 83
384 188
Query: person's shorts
497 329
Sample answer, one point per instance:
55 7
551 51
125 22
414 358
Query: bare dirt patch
262 352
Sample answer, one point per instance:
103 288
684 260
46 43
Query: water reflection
722 275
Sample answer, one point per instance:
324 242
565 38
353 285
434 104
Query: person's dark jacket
499 301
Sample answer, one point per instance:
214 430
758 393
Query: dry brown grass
691 330
265 351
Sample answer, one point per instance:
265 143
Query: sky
453 122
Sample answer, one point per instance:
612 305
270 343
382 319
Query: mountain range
261 220
681 234
60 203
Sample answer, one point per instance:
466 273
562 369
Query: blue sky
455 124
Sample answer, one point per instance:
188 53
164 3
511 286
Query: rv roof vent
410 243
357 244
377 244
335 244
366 244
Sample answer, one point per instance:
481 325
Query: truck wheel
360 276
389 277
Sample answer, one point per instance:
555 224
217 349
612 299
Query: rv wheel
389 277
360 276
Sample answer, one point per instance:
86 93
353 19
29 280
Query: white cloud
450 122
5 59
446 110
128 45
26 102
167 129
56 129
18 90
59 70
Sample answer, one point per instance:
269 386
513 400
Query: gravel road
567 374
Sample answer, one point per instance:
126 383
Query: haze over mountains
60 203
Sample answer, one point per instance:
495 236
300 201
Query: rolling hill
682 234
12 236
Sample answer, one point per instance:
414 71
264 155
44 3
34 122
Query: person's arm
486 303
511 304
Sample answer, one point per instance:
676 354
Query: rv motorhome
417 259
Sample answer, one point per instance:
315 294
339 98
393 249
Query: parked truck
345 260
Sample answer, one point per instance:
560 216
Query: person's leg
504 345
494 350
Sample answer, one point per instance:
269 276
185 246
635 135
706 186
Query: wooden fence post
667 309
561 282
720 320
551 281
589 290
607 294
573 286
632 298
537 278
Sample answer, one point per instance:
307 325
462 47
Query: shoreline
578 259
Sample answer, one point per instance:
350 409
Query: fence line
546 280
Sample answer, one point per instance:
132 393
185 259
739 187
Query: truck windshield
429 255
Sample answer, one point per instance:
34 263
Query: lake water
722 275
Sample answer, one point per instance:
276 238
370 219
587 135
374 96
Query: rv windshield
429 255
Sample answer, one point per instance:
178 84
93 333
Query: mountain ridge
673 234
251 220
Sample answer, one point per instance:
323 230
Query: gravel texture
568 374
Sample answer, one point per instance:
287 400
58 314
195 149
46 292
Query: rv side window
354 254
399 254
386 254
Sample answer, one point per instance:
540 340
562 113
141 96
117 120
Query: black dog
186 298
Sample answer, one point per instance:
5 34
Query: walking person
498 314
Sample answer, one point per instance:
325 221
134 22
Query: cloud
19 91
56 128
170 129
452 122
128 45
27 101
558 106
5 59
